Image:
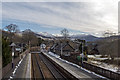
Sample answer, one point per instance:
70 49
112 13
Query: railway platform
77 71
21 70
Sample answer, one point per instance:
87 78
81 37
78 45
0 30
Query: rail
55 70
61 69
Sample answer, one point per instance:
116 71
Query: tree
40 41
29 37
17 39
65 33
80 48
6 52
12 28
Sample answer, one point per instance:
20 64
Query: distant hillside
107 45
85 37
109 39
44 35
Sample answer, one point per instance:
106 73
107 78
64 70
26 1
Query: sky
78 17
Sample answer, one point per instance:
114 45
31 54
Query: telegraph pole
61 49
82 55
13 52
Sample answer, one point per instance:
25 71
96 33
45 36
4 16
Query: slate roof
65 46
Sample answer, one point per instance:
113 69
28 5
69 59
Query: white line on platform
13 73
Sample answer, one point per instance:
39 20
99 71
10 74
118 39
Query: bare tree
29 37
65 33
12 28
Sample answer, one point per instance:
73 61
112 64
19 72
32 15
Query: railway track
44 68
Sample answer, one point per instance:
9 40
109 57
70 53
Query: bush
6 52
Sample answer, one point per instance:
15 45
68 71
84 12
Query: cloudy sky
78 17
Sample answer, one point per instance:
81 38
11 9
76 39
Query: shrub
6 52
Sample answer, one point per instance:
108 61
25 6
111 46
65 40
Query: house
62 48
67 49
53 47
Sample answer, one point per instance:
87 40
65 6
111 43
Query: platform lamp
13 52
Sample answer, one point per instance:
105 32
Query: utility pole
29 45
82 55
61 49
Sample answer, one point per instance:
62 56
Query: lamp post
13 52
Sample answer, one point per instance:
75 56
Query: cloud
88 17
58 0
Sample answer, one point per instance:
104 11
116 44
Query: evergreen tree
6 52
